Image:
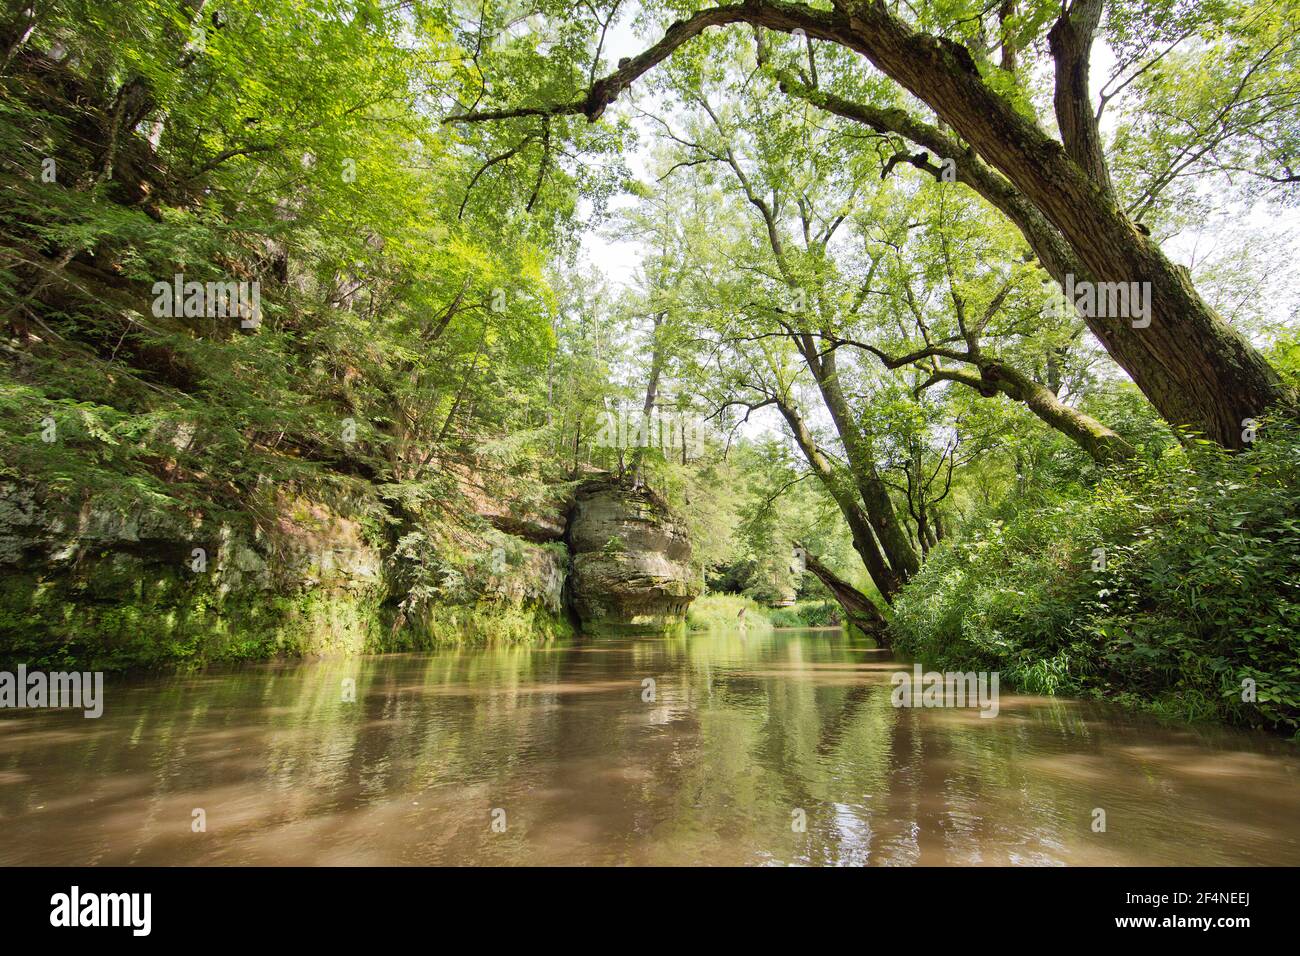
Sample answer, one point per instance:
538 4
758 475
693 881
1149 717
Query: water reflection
744 731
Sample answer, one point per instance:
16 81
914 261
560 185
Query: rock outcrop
630 559
128 586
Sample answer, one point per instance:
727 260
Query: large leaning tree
969 69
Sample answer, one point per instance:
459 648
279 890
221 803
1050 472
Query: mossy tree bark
1102 443
1195 369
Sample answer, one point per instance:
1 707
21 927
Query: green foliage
811 286
1199 590
403 365
808 614
157 620
726 612
395 298
478 625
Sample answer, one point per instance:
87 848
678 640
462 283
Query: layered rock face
630 560
139 587
122 586
136 586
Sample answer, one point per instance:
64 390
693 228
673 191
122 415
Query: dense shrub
1166 584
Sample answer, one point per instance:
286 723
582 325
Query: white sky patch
618 259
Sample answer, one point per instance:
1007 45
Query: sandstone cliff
630 559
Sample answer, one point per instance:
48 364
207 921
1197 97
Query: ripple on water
778 749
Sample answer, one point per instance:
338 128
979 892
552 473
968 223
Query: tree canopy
923 295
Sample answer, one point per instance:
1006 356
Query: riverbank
1170 585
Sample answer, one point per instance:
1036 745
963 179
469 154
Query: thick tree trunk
1182 367
1070 41
1195 369
858 608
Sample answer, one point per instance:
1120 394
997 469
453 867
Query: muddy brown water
756 748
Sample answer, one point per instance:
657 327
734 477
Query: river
722 748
